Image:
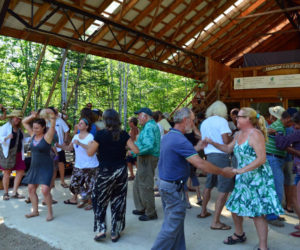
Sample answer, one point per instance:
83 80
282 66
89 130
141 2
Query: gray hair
181 114
217 108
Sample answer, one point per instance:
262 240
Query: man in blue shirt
176 151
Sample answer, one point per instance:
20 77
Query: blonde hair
256 120
217 108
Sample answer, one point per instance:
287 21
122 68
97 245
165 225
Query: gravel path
12 239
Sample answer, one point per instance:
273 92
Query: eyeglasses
241 116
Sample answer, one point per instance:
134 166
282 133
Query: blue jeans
171 235
276 166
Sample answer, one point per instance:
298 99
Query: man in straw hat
276 156
12 153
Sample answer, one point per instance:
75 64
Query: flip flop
6 197
17 196
222 227
82 204
28 216
88 207
64 185
53 202
68 202
200 216
295 234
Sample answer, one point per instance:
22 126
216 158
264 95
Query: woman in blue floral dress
254 193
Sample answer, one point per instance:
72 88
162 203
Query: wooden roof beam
136 21
227 42
105 29
205 45
203 25
62 22
90 21
268 45
205 22
40 13
248 40
162 31
159 19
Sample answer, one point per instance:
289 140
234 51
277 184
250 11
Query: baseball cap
144 110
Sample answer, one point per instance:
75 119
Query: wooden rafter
206 45
135 21
167 27
40 13
249 40
203 24
89 21
105 29
227 41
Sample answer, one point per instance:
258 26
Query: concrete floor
72 228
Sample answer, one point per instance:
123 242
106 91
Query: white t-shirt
165 124
82 160
61 128
161 130
214 127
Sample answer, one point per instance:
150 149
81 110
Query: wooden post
56 77
178 106
76 81
34 77
285 102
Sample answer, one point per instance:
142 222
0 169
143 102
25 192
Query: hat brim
274 114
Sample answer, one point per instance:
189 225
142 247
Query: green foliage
97 84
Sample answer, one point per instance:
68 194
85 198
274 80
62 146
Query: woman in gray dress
41 168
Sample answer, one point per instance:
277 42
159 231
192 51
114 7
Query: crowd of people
253 162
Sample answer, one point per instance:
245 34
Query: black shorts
131 159
62 156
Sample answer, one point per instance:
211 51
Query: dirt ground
12 239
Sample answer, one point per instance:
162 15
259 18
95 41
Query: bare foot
33 214
49 218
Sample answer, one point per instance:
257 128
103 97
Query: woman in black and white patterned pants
111 182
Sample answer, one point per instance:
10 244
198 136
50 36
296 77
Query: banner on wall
263 82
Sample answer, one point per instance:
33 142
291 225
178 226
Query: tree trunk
125 95
112 84
120 90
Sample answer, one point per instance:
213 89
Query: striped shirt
270 145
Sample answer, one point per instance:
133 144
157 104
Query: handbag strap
15 148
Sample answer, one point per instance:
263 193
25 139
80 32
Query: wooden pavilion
201 39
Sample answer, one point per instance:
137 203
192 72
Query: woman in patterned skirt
111 182
254 193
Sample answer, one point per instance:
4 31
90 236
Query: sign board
263 82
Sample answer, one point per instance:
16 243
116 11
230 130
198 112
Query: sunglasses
241 116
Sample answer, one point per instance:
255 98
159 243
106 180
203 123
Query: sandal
115 237
5 197
28 200
53 202
200 216
64 185
232 241
222 227
88 207
100 237
17 196
68 202
82 204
